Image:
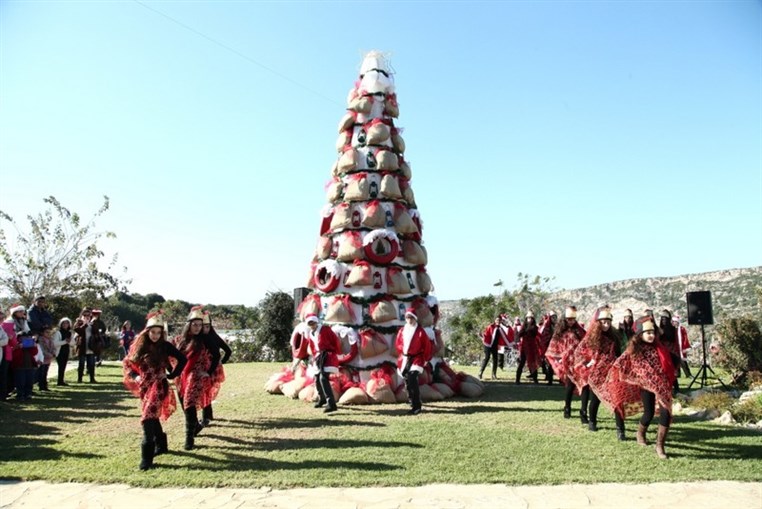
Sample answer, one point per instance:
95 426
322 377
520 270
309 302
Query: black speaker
299 295
699 308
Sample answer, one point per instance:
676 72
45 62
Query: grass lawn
513 434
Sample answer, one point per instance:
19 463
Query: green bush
740 347
754 380
748 411
714 401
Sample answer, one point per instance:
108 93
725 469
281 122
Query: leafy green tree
275 325
58 255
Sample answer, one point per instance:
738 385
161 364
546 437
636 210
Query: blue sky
590 141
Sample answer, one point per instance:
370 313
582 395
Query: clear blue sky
590 141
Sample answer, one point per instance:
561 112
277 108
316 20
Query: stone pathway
695 495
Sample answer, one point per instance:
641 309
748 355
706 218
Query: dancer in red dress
529 348
196 385
145 375
218 377
325 347
560 354
547 327
646 364
593 359
414 348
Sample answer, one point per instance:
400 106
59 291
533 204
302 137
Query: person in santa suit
685 345
146 368
560 355
494 336
324 346
414 351
218 377
646 364
529 352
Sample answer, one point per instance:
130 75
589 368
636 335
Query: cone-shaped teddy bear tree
370 262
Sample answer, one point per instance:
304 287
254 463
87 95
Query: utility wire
236 52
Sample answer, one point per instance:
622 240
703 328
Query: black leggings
490 351
583 396
649 406
595 403
413 389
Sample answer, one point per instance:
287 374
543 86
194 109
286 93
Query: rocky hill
734 293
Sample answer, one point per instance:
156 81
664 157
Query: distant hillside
734 293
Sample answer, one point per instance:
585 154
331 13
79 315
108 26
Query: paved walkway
697 495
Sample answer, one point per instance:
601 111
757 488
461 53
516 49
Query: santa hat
643 324
96 311
15 308
411 312
196 313
155 319
311 319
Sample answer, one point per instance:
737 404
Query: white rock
676 408
725 418
749 394
713 413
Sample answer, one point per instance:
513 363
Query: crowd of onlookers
31 341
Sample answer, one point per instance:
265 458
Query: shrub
720 401
748 411
740 347
754 379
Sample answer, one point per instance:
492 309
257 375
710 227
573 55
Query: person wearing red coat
529 348
685 345
324 346
414 351
495 335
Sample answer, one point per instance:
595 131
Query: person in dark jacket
38 316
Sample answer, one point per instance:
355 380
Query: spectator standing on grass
4 340
89 344
99 330
15 326
146 375
46 344
38 316
24 364
126 335
62 339
685 345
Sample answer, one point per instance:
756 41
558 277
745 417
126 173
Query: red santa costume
647 365
496 335
414 350
324 346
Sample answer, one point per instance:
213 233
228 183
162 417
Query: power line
236 52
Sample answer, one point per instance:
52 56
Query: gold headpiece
155 320
196 313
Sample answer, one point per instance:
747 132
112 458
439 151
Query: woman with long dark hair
560 355
126 337
647 365
62 340
145 375
218 376
195 385
529 348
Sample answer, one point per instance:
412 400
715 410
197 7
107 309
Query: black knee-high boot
207 415
568 398
328 391
414 391
192 427
161 440
148 444
321 394
584 397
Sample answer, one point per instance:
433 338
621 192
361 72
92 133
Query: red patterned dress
157 399
195 386
592 367
560 351
529 347
650 369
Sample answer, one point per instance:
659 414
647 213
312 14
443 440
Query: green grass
514 435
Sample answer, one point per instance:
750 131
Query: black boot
191 428
207 415
620 434
146 455
328 391
567 412
518 378
161 443
321 395
592 425
534 378
583 417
